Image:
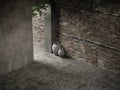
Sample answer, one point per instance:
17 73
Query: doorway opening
38 28
43 26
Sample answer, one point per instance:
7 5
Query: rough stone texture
111 7
108 58
91 53
79 49
91 26
16 41
72 46
38 30
93 30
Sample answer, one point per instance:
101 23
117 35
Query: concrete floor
49 72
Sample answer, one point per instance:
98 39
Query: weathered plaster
16 41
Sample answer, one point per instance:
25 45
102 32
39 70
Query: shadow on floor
72 76
49 72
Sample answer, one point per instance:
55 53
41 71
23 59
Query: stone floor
49 72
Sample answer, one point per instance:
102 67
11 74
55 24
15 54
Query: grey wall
16 48
38 30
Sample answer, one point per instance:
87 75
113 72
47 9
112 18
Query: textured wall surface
16 47
38 30
90 31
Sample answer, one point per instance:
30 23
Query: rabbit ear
56 42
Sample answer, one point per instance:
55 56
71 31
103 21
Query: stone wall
38 30
89 31
16 41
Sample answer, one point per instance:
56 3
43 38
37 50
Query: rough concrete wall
90 32
16 48
38 30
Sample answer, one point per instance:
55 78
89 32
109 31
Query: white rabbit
55 48
61 52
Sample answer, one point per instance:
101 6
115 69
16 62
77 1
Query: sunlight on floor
68 65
